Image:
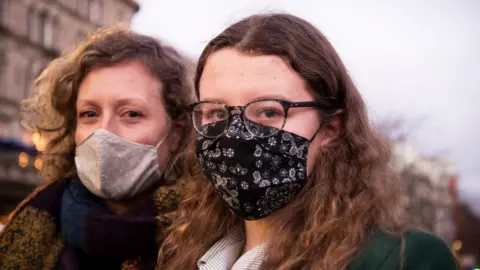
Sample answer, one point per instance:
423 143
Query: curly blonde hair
351 192
52 109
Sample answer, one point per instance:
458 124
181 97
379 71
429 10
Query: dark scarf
103 236
64 226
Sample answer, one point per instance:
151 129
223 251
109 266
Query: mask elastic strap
167 162
315 134
322 123
164 137
161 141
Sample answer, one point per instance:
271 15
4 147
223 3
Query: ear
332 128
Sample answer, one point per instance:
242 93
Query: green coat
423 251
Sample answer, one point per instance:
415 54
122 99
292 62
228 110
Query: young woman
114 110
289 175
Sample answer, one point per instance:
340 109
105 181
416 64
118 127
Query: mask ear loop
164 137
169 162
317 131
323 123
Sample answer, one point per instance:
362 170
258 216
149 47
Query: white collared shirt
223 255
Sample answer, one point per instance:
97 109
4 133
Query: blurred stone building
426 183
32 33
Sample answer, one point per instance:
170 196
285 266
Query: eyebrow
218 100
118 103
270 96
120 100
259 97
134 100
87 101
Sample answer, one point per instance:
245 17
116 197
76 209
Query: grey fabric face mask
114 168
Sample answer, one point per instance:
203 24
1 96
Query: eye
87 114
130 115
217 113
265 110
269 113
133 114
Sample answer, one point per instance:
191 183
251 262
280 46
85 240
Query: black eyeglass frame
286 105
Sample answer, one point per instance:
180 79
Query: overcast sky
418 60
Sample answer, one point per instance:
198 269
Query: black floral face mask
255 176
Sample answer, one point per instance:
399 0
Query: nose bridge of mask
89 137
237 117
236 110
108 137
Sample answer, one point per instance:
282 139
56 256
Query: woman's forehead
230 76
127 82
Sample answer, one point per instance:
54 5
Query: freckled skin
237 78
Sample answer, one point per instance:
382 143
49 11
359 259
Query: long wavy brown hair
351 191
52 109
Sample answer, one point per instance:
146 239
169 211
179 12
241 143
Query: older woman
114 110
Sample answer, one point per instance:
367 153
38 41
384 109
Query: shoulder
30 235
427 251
44 198
39 211
414 250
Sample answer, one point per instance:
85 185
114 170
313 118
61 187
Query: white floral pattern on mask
255 176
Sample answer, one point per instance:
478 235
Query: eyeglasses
262 118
